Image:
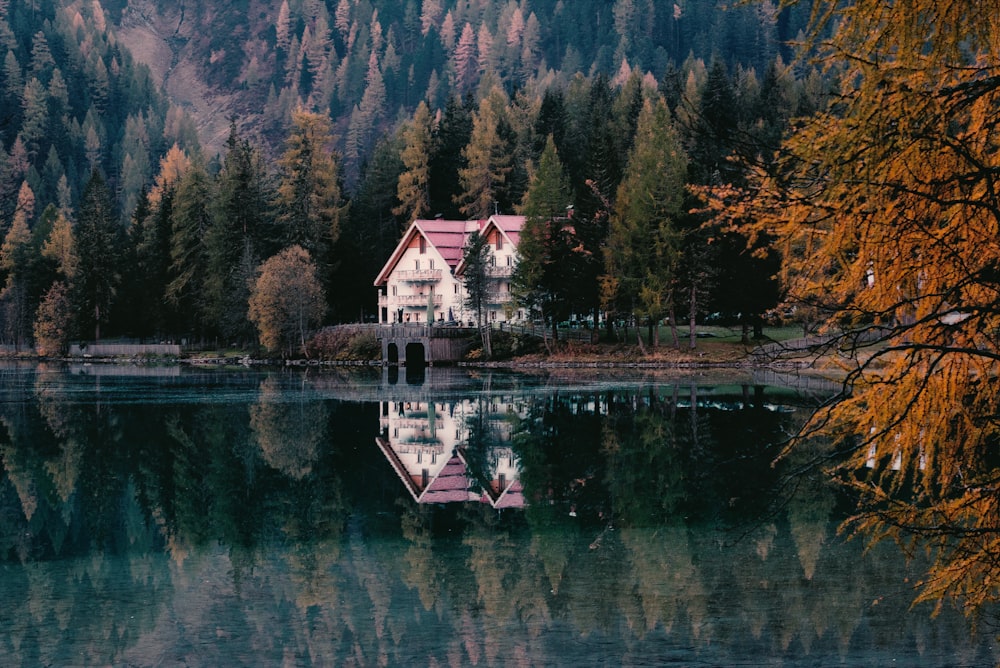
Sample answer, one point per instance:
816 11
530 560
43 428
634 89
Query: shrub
344 344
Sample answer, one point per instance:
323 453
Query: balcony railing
499 271
419 275
500 297
413 300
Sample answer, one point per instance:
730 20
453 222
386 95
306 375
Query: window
432 264
510 260
499 241
416 265
393 290
456 288
423 245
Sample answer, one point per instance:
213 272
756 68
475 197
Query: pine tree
887 203
17 257
450 139
478 284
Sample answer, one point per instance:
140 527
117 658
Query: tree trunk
692 319
673 327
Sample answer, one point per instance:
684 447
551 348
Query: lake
181 516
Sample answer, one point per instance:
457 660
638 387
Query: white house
422 279
426 444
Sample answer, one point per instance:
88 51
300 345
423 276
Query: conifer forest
125 213
168 173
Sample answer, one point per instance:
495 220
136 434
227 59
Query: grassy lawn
717 334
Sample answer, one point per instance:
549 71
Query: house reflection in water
454 451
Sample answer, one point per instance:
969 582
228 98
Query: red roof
449 237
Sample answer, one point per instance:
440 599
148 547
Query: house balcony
501 297
499 271
419 275
406 300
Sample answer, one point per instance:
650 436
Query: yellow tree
413 189
487 158
287 300
889 206
309 198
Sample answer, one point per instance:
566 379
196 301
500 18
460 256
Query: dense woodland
116 223
661 127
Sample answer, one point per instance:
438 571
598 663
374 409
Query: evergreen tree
237 236
548 254
17 259
98 243
450 139
478 284
641 255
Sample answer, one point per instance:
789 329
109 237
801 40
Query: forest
674 162
117 222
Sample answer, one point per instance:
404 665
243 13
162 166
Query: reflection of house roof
510 497
449 237
452 482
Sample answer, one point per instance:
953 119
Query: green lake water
175 516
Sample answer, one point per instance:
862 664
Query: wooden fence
543 332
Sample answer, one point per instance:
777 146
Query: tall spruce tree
239 234
98 244
641 256
549 261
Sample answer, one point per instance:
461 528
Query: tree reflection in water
235 518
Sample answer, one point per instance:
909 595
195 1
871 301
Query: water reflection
454 451
246 518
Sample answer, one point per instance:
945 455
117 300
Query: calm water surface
183 517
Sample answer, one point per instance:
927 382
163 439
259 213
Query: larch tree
888 205
190 221
287 301
487 161
308 202
643 241
413 190
17 255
